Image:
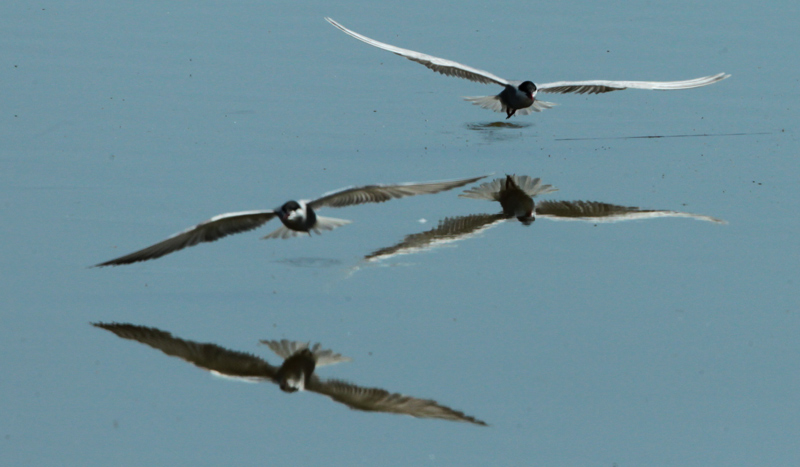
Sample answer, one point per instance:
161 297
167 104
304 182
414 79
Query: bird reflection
515 195
298 217
495 132
295 374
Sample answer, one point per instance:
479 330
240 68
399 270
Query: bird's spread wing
379 400
601 86
209 357
208 231
381 193
441 65
450 229
594 211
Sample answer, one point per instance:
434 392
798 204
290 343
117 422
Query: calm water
651 342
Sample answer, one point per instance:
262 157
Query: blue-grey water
669 342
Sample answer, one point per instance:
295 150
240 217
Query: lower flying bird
298 217
519 97
515 195
295 374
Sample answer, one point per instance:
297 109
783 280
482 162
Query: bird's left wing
440 65
601 86
594 211
379 400
381 193
209 357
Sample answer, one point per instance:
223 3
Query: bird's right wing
440 65
208 231
209 357
379 400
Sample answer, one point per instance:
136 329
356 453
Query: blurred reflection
498 131
295 374
515 195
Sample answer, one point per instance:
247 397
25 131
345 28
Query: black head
528 88
288 207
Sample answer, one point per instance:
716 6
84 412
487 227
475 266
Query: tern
298 217
295 374
519 97
516 195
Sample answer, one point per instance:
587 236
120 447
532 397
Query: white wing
381 193
601 86
440 65
208 231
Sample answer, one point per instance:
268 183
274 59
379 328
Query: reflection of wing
450 229
208 231
381 193
286 348
491 190
601 86
379 400
209 357
441 65
594 211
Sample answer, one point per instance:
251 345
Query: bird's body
296 373
297 217
519 97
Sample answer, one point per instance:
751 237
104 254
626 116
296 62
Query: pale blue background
667 342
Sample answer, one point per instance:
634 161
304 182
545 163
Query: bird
296 373
516 197
519 97
298 217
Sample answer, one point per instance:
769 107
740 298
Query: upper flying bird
295 374
298 217
519 97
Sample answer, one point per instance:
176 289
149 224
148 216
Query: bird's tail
286 348
493 103
491 190
323 223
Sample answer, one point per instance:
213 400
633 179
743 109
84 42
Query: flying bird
298 217
295 374
519 97
516 197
